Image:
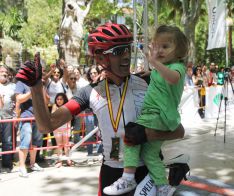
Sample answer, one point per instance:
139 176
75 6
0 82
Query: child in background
62 134
159 112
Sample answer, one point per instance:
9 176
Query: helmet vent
101 39
107 32
123 29
116 30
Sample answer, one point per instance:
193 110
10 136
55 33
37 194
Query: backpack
177 172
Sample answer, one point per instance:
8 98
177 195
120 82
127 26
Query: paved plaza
211 163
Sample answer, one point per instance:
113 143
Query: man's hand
30 72
134 134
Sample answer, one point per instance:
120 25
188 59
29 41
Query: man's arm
46 121
137 134
165 135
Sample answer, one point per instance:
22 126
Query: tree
43 19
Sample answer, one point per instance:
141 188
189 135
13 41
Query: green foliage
43 20
11 22
103 9
36 27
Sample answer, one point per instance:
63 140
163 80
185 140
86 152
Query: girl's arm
171 76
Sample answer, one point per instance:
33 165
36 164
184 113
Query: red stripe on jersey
73 107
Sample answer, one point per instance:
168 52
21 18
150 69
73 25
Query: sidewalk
211 163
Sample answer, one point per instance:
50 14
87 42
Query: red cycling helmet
109 35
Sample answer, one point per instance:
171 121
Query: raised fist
30 72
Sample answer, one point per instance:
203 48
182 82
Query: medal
115 123
115 148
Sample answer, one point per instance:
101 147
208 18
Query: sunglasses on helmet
118 50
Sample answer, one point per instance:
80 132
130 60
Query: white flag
217 33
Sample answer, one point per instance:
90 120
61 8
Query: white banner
217 32
189 104
213 100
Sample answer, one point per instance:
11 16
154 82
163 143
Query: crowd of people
202 76
123 103
59 86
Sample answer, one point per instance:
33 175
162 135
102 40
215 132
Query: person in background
70 69
232 74
7 107
211 75
220 76
57 82
188 77
204 75
80 80
94 76
29 134
198 82
62 133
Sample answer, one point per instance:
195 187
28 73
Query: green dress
160 107
159 112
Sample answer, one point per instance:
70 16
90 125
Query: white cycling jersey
94 96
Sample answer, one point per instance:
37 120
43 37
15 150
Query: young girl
62 134
159 112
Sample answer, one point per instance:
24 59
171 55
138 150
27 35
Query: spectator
232 74
93 75
7 106
211 75
57 82
28 131
198 82
70 69
188 77
80 81
204 75
62 133
220 76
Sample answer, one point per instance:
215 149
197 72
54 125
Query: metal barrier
15 121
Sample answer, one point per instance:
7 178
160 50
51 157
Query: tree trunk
71 31
191 11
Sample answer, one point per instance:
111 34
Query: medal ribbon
115 123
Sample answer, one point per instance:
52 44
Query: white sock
128 176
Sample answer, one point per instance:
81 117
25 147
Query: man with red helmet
116 100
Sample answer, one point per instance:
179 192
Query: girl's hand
152 55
